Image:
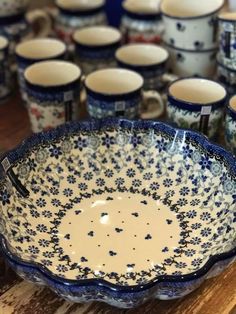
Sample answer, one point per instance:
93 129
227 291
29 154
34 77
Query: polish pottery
5 73
118 211
197 104
75 14
35 50
191 25
95 47
53 93
230 125
141 22
118 93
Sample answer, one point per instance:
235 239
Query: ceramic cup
184 63
53 93
20 27
230 125
227 30
196 103
96 47
35 50
117 93
191 25
226 75
5 73
75 14
150 61
142 21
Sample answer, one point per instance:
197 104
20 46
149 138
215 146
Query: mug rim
117 95
45 86
196 106
4 42
60 5
113 30
44 41
225 19
190 17
136 12
140 45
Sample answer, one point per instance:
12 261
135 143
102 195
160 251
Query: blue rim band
28 61
82 13
145 17
12 19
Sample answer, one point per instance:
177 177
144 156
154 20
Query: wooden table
215 296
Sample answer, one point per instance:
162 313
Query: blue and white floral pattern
227 52
230 132
94 186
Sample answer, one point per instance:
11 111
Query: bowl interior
124 205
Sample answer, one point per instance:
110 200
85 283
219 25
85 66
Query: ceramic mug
227 30
117 93
198 104
150 61
191 25
75 14
230 125
95 47
5 73
53 93
35 50
184 63
142 21
226 75
19 27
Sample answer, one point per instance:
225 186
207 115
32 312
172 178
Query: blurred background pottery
141 22
13 7
197 104
75 14
230 125
191 25
6 87
184 63
95 47
35 50
53 93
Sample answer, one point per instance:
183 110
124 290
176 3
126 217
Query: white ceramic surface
80 5
192 63
191 24
142 7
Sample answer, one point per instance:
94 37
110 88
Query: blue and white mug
198 104
95 47
36 50
191 25
230 125
53 93
5 73
116 93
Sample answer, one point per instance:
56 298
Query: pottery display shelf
217 295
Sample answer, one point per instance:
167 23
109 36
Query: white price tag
68 96
6 164
206 110
120 106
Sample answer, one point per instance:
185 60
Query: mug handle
44 20
155 96
168 77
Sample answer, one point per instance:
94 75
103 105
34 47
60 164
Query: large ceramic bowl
118 211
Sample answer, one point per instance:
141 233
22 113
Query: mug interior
142 6
232 103
188 9
114 81
197 91
79 5
230 16
142 54
3 42
97 36
41 48
52 73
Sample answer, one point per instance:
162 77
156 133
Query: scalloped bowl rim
98 125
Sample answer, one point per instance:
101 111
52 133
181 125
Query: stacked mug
191 35
227 52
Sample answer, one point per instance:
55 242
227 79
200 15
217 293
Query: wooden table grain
215 296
